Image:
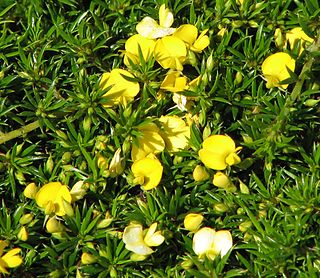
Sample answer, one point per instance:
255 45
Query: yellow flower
218 152
192 221
210 243
295 35
200 173
174 82
149 141
274 69
170 52
175 133
9 260
121 90
150 29
139 241
132 49
189 34
147 172
53 197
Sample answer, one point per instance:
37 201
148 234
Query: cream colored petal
153 238
222 242
203 240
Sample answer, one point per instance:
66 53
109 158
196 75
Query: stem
4 137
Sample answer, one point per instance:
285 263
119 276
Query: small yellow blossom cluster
170 47
276 67
218 152
55 199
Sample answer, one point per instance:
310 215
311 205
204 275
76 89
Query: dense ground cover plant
159 138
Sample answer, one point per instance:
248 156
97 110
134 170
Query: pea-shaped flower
210 243
275 69
9 260
54 197
150 29
140 241
218 152
121 88
147 172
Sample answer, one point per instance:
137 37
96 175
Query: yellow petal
192 221
47 193
221 180
275 67
3 244
148 142
134 42
170 52
296 34
12 259
153 238
173 82
175 132
62 199
121 88
213 160
151 169
187 32
200 173
201 43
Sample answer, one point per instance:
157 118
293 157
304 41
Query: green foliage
52 54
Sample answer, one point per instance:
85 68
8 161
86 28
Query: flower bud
62 135
49 164
200 173
243 188
187 264
86 123
104 223
192 221
87 258
66 158
221 207
223 31
26 219
113 273
222 180
311 102
23 234
116 166
210 63
54 226
20 177
30 191
238 78
78 191
279 38
244 226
